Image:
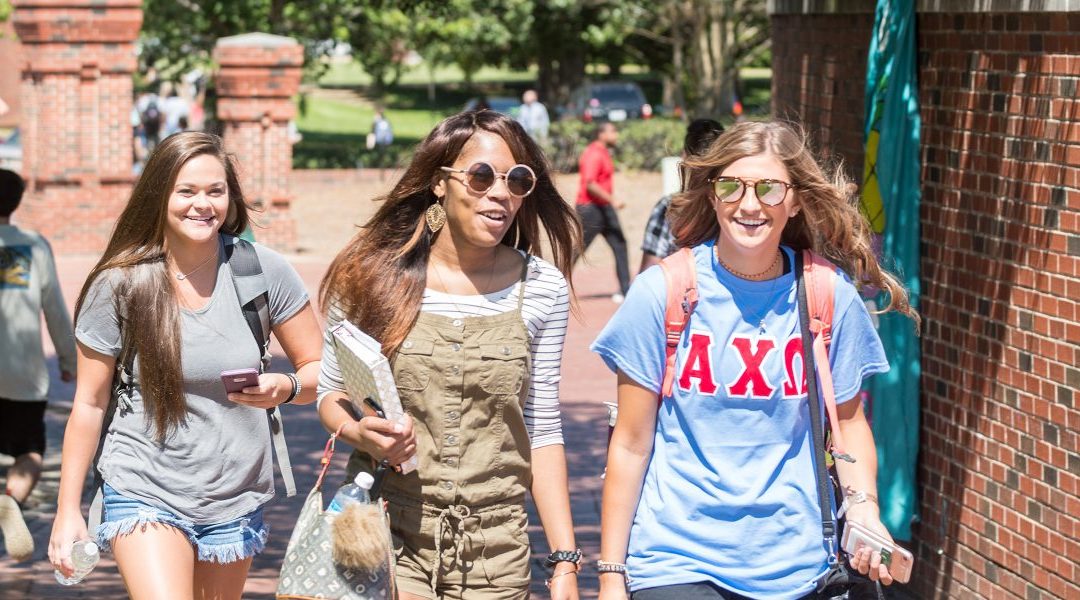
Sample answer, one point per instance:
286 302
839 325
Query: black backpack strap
828 521
253 293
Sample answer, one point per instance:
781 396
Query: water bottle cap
364 480
90 548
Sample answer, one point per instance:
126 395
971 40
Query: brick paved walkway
586 384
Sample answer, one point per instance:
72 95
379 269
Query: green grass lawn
348 73
337 116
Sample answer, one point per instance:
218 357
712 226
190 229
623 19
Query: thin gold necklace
450 295
752 277
182 276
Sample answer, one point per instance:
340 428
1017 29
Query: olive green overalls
458 521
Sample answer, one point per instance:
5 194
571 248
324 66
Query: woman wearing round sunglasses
447 277
714 494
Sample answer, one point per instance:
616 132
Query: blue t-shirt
730 493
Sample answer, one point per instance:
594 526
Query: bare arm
861 476
57 319
551 492
598 192
81 437
301 339
628 457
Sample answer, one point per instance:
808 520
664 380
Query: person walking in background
28 287
174 108
732 440
380 139
533 116
186 465
659 242
447 277
597 203
149 106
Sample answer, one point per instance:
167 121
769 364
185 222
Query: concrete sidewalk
586 384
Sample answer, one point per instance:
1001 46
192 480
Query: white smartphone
897 559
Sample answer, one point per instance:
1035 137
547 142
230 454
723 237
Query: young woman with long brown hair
714 494
186 466
446 276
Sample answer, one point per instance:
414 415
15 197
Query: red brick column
259 73
11 51
76 102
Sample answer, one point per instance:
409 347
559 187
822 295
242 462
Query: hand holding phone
238 379
898 560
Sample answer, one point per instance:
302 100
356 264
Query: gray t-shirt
217 465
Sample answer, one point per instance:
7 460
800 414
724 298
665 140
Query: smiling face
750 231
198 202
474 218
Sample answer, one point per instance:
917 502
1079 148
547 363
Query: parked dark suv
607 101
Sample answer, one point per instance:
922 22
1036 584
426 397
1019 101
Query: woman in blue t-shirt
714 495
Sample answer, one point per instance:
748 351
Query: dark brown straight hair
134 264
829 222
378 279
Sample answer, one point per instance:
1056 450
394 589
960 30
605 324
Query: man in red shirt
596 202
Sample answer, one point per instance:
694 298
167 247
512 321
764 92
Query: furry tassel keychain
361 540
361 537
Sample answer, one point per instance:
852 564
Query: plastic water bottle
84 555
357 491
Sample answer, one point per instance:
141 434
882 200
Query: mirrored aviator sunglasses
481 176
770 192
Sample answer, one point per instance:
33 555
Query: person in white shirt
28 287
533 116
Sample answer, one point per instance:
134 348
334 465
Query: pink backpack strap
682 297
820 276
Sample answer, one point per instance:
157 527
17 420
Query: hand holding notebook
367 374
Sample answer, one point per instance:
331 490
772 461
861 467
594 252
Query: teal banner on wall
890 200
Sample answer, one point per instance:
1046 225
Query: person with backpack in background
186 466
714 492
29 287
659 242
148 105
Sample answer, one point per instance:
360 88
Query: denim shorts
218 543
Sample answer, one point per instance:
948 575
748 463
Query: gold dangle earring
435 216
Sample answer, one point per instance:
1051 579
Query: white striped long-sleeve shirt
545 312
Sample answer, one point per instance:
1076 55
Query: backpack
253 294
820 277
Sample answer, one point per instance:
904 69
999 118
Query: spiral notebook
367 374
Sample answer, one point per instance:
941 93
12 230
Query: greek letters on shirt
754 355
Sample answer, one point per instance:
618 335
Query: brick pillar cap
256 40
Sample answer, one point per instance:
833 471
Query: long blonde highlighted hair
829 222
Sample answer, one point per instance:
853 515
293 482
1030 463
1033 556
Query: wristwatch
558 556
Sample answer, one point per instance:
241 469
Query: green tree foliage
179 34
702 45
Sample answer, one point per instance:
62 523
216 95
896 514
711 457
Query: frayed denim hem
237 551
110 530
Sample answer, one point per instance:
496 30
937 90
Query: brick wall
11 52
258 76
1000 439
819 68
77 60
